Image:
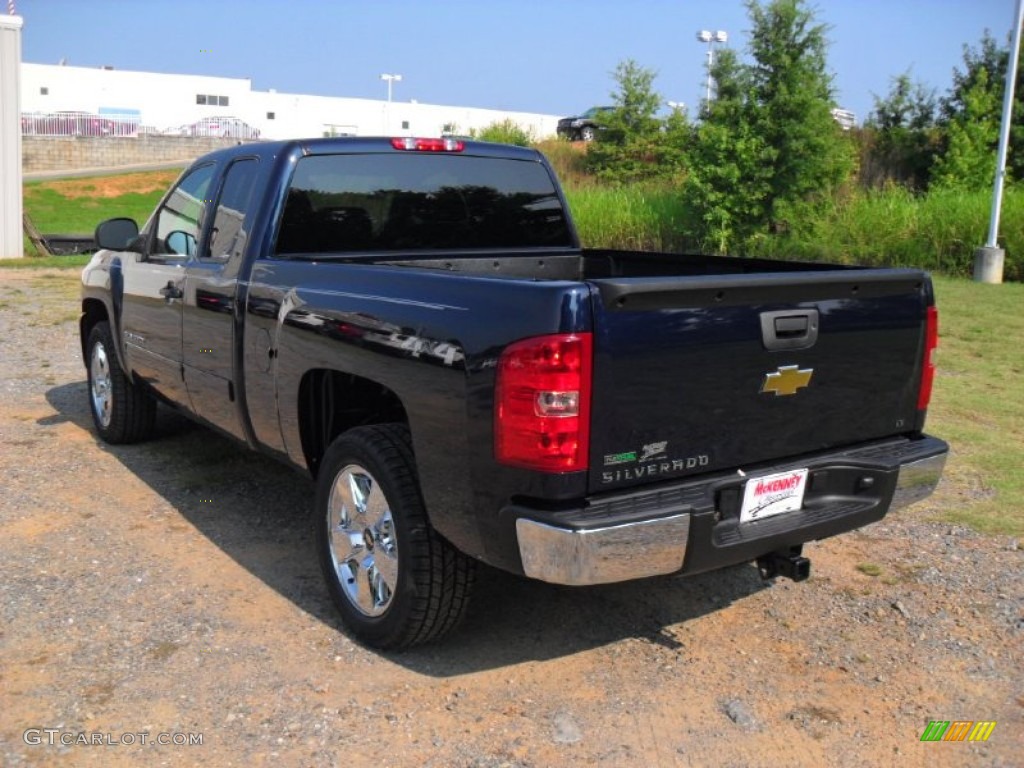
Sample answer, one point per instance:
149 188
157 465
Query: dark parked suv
584 127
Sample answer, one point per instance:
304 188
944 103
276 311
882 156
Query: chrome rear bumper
917 480
620 550
632 550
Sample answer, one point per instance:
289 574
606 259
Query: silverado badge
786 380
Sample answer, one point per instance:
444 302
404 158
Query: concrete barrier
73 153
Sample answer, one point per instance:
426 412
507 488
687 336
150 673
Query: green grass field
978 403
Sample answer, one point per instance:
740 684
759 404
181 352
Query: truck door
153 282
211 323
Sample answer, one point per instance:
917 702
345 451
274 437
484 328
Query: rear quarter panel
432 338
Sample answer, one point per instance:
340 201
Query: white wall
165 101
168 101
10 138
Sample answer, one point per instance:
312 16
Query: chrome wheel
361 538
368 511
122 411
100 384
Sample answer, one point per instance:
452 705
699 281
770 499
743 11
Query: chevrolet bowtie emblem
787 380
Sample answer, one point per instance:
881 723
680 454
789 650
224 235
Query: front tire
394 580
587 133
122 412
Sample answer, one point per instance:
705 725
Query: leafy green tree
901 136
768 143
635 144
727 179
971 138
989 58
971 114
676 139
792 102
636 102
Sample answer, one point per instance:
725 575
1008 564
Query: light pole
711 38
390 79
988 260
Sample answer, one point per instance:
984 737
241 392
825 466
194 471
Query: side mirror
116 234
180 243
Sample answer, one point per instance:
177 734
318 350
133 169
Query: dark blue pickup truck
414 323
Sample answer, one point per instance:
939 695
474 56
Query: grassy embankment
979 396
78 205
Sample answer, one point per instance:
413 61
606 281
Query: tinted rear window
401 202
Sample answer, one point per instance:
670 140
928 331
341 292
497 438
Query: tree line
767 145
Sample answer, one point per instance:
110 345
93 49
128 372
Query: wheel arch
95 311
332 402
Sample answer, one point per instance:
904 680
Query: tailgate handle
789 328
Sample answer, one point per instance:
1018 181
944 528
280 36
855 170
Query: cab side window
228 236
180 219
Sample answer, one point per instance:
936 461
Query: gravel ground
169 591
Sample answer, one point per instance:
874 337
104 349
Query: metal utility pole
390 80
988 260
711 38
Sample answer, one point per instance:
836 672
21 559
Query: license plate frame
771 495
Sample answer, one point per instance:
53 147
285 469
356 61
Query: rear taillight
931 343
542 403
428 145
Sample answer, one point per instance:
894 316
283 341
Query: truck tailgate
699 374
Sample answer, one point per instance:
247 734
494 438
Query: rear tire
122 411
587 133
394 580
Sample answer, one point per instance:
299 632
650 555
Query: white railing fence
78 124
88 124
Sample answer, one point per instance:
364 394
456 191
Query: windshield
400 202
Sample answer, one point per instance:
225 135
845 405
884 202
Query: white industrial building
165 102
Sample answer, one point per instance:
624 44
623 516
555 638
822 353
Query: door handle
171 291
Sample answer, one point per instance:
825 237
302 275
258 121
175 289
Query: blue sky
552 57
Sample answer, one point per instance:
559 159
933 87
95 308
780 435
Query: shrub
507 131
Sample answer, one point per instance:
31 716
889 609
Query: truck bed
596 263
686 350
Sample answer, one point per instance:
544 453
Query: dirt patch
113 186
140 593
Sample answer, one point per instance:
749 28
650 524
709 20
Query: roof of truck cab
357 145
